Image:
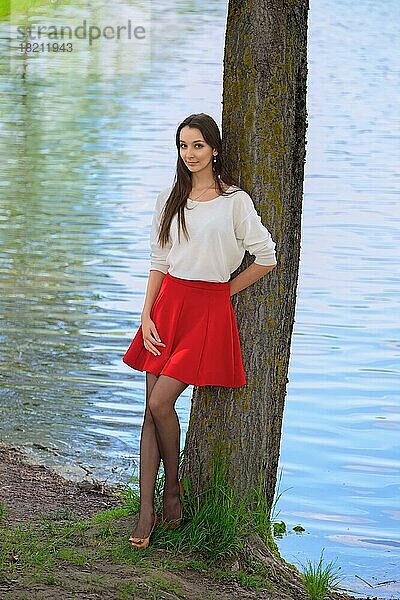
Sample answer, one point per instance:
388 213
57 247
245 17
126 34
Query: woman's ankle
171 489
146 511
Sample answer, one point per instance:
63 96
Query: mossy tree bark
263 126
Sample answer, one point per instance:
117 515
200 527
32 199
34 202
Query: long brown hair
182 186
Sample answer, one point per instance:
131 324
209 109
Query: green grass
152 590
128 590
215 523
73 557
320 579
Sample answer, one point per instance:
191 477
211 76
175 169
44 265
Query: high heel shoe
174 523
142 543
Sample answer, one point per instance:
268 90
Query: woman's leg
161 405
149 465
151 450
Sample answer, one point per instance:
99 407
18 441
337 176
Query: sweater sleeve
158 255
254 236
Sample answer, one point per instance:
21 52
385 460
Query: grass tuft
320 579
217 519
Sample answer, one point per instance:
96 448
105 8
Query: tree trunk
263 128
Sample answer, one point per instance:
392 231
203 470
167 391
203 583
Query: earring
215 158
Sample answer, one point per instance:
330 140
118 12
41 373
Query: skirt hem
179 378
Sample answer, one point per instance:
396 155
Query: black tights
160 439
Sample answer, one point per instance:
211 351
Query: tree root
287 580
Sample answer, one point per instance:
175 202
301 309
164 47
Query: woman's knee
148 417
150 383
158 407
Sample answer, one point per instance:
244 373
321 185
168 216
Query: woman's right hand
150 336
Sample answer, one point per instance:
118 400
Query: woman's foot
172 507
140 537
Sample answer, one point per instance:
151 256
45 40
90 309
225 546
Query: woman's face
194 150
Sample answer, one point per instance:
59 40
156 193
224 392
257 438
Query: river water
87 141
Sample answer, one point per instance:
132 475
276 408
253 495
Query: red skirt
196 322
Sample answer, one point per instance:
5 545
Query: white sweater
220 231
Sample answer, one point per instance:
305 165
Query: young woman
188 332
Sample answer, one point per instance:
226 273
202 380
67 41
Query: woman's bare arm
153 287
